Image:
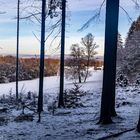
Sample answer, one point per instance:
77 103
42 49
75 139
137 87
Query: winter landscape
70 69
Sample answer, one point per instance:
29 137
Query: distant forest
29 68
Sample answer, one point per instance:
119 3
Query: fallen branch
115 135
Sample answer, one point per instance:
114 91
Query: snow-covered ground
75 123
51 84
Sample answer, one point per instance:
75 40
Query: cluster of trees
128 58
81 59
28 68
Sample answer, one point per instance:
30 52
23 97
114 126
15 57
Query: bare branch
36 36
55 37
56 49
32 12
95 17
129 18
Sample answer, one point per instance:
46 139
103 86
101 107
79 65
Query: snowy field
74 123
51 84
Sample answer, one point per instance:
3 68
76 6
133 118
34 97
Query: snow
51 84
75 123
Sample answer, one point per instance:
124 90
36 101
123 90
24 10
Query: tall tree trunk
42 54
61 98
17 53
109 74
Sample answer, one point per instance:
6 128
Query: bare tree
90 51
81 58
76 66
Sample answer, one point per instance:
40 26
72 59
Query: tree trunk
42 54
113 111
61 100
109 74
17 53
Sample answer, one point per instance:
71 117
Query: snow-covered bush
122 80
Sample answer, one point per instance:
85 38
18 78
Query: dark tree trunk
113 111
17 53
61 100
109 74
42 53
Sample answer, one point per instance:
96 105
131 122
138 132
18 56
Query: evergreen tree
131 65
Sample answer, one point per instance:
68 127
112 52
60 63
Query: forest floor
78 123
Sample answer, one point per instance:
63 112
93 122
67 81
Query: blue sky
79 11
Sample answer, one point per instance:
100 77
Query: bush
72 97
